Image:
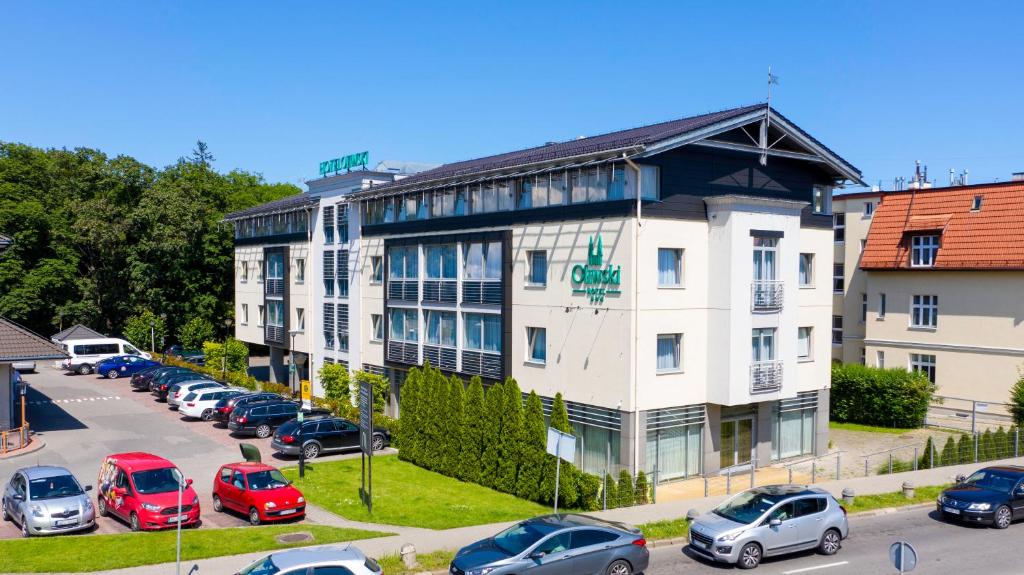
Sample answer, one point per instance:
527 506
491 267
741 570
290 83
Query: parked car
565 544
179 390
990 496
348 560
87 353
44 500
224 408
324 434
190 355
140 381
142 489
257 490
768 521
122 365
200 403
24 366
160 390
261 418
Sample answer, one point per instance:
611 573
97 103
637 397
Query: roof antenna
766 123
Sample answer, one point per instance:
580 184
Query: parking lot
84 418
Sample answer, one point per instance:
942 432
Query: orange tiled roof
991 238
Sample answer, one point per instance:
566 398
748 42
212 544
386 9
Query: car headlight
979 506
269 505
730 537
150 507
483 571
301 499
195 500
88 505
37 511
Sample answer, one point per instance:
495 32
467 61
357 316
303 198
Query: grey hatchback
44 500
557 545
767 521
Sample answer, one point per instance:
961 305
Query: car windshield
263 566
991 480
156 480
264 480
747 507
521 536
54 487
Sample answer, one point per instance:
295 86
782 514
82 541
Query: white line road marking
815 568
73 400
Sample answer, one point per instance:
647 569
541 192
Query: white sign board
561 444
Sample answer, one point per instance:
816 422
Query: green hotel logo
347 163
594 278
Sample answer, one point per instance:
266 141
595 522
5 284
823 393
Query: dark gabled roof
20 344
288 204
77 331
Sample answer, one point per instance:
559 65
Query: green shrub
626 489
237 356
611 494
193 333
381 389
278 388
474 430
334 379
1002 447
1017 401
642 489
925 460
589 489
137 329
884 397
511 440
535 437
898 466
965 447
455 411
950 455
987 448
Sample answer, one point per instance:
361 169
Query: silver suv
44 500
768 521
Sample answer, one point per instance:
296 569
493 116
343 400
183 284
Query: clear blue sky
276 87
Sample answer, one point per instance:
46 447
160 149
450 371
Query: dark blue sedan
122 365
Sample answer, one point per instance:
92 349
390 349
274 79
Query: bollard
728 481
890 464
692 514
908 490
931 457
705 486
790 474
814 470
654 487
848 495
837 466
604 492
865 467
408 553
915 459
753 470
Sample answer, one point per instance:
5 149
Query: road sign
306 393
561 444
903 556
366 417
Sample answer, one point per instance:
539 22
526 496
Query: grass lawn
404 494
87 553
667 529
436 561
868 428
924 494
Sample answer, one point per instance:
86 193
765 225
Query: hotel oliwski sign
594 278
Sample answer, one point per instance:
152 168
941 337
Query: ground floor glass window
792 433
675 452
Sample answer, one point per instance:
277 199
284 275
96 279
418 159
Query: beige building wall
848 303
371 301
300 295
248 293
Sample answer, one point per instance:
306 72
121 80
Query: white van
86 353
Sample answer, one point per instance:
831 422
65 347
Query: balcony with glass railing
766 295
765 376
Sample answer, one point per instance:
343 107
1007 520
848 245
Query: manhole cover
294 537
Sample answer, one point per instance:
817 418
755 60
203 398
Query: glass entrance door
737 442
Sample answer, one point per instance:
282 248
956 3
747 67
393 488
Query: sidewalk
427 540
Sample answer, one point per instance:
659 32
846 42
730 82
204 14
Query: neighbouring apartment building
852 216
671 281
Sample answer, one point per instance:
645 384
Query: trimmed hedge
883 397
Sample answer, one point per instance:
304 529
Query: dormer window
976 205
923 250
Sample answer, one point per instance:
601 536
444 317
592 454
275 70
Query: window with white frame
838 271
869 209
259 271
670 267
822 200
923 363
880 359
300 270
762 345
275 313
863 307
300 319
328 259
245 314
670 356
245 271
262 312
803 343
837 330
440 327
376 269
377 324
483 261
765 252
923 250
839 225
328 224
536 345
404 325
881 306
404 263
483 332
806 270
924 310
440 261
537 274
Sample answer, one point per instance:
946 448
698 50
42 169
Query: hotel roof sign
348 162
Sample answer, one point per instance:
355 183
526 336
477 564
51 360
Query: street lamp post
152 336
224 355
293 378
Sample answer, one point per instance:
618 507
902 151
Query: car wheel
207 415
217 505
101 507
378 442
112 374
263 431
750 556
619 567
254 516
3 511
829 542
24 528
134 522
1002 517
310 450
84 369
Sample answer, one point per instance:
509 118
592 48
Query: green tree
381 389
453 424
568 481
950 455
335 380
512 437
642 489
626 489
965 448
196 331
1017 401
611 493
474 429
1000 445
137 330
987 447
408 422
533 451
925 460
494 405
235 358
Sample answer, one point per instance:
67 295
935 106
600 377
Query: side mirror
537 555
19 497
961 478
188 483
774 522
88 487
194 569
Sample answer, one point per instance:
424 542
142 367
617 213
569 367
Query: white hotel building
672 281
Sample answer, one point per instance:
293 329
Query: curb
891 510
33 446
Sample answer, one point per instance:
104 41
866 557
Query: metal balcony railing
766 295
765 376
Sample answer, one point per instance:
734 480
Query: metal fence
16 438
967 414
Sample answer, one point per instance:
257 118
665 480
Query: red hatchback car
142 489
257 490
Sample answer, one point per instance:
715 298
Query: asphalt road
943 548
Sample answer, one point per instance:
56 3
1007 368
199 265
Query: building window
245 314
670 357
275 266
976 204
881 306
377 322
263 315
483 332
342 223
275 313
839 225
328 260
863 244
863 307
822 200
803 343
483 261
245 271
924 364
441 262
259 271
342 275
837 330
404 263
536 344
538 272
670 267
838 271
924 311
923 250
649 185
880 359
300 270
764 258
376 269
441 328
806 270
404 325
869 209
328 224
792 429
762 345
328 321
863 356
300 319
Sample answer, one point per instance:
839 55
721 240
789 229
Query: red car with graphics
257 490
142 489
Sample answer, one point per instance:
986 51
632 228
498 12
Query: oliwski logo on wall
595 278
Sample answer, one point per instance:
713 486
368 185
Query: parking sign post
561 445
366 442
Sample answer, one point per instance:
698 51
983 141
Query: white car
87 353
200 403
174 396
24 366
347 559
